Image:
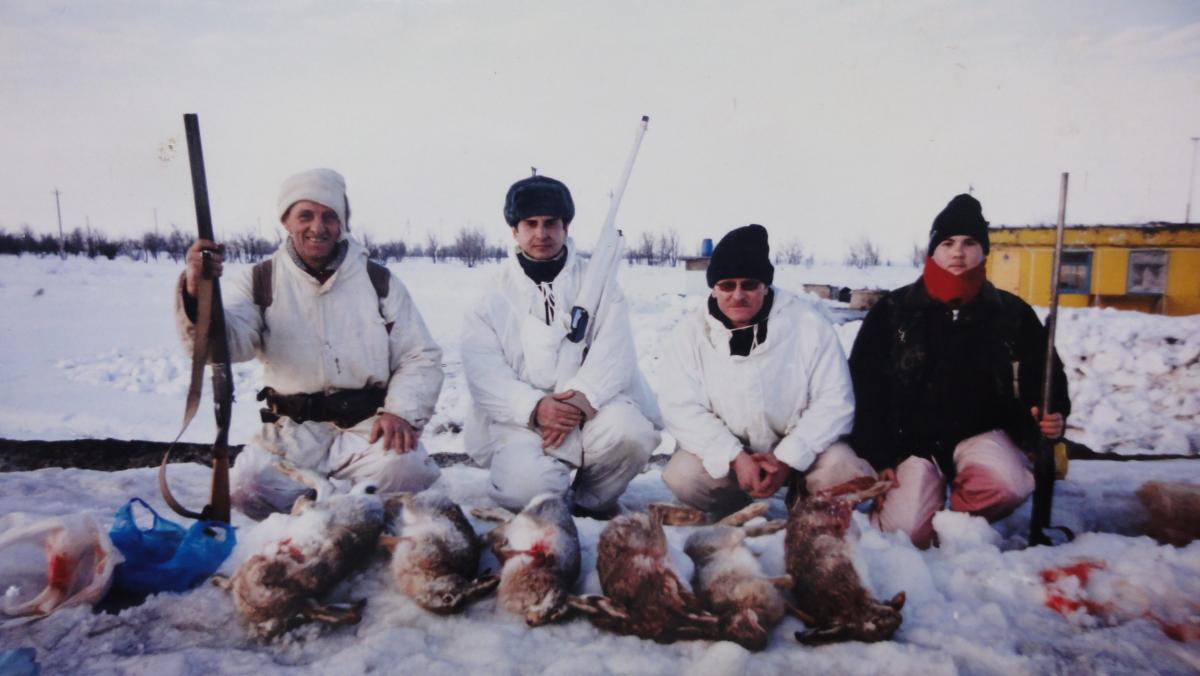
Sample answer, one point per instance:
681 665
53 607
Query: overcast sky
823 121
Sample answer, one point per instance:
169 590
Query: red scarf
952 289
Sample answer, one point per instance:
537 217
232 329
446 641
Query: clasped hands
555 418
760 474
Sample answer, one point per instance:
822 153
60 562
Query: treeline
469 245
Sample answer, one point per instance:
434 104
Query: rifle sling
200 354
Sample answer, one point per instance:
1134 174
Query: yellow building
1151 268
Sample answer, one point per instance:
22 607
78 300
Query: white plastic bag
52 562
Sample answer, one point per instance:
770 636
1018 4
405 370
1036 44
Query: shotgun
210 346
1044 467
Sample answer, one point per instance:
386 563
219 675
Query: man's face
314 229
740 299
540 237
958 254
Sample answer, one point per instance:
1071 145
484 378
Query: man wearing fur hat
531 431
947 377
351 372
755 388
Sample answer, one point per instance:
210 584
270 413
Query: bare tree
863 254
792 252
432 246
668 247
470 245
644 250
152 244
918 255
177 244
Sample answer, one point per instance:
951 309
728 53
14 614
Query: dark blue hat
962 216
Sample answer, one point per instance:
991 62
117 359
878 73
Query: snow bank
976 605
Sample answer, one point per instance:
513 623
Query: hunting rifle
606 256
210 345
1044 467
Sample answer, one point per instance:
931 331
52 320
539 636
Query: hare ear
481 586
831 634
394 502
897 601
669 514
494 514
783 582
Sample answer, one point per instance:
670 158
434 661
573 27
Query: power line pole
1187 215
62 253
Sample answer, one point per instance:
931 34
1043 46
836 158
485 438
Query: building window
1147 272
1075 272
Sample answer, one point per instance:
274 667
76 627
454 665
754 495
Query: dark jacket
924 380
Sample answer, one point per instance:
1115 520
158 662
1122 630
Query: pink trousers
992 479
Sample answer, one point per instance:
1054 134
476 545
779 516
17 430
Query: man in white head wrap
351 372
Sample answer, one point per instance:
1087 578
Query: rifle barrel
1052 315
191 125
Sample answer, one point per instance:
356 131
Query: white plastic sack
53 562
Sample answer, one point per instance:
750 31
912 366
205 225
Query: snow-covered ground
89 351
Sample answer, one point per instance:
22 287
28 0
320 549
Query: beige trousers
694 486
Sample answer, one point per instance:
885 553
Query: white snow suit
791 396
511 342
320 338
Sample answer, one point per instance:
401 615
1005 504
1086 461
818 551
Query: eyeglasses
731 285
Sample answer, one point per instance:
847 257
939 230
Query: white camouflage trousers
617 443
257 488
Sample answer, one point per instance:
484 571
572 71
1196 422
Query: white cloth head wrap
323 186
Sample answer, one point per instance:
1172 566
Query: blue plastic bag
167 557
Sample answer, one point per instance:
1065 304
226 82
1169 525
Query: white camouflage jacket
316 337
510 355
790 396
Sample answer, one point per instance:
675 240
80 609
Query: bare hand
746 470
552 439
1052 425
396 433
774 474
555 416
195 263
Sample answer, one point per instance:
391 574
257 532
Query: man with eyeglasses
755 388
531 433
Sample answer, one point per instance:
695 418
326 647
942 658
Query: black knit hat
962 216
742 252
538 196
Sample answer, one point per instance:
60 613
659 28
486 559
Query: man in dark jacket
947 376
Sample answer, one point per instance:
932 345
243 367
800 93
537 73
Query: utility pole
1187 215
62 253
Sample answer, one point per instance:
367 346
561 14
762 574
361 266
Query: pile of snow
979 603
1134 380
